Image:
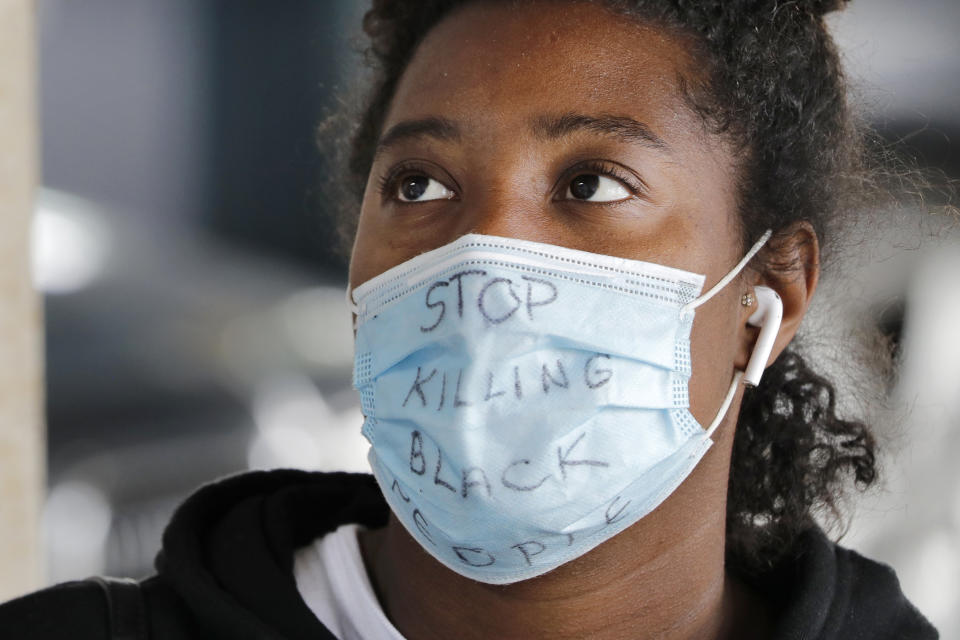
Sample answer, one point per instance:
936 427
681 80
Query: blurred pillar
21 430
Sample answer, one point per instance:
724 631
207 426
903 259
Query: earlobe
791 274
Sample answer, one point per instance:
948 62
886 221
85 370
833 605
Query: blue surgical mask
525 402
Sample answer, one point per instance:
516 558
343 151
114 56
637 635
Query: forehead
501 61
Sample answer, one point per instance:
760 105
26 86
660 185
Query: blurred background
195 316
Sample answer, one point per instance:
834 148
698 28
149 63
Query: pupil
583 187
414 187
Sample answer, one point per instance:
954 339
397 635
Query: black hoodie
226 571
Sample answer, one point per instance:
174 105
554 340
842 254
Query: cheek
369 253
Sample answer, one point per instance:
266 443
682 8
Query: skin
494 71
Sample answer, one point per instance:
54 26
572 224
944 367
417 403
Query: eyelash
633 184
388 182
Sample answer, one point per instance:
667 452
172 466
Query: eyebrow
437 128
620 127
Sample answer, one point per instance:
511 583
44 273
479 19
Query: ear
791 267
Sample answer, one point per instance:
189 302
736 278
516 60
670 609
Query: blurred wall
193 308
21 473
900 276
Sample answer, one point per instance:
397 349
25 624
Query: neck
663 578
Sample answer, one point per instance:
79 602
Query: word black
514 475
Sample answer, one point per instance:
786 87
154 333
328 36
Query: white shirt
333 581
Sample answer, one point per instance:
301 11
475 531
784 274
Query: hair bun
823 7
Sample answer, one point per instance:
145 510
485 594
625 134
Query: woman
583 227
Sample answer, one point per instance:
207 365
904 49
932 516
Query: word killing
439 388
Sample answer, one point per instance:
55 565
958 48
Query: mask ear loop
352 306
732 391
725 280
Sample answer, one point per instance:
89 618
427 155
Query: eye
592 187
421 188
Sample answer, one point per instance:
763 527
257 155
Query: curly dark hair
772 85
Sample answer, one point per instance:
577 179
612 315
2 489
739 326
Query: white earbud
768 316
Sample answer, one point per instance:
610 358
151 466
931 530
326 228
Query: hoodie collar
228 551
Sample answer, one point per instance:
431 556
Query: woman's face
559 123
